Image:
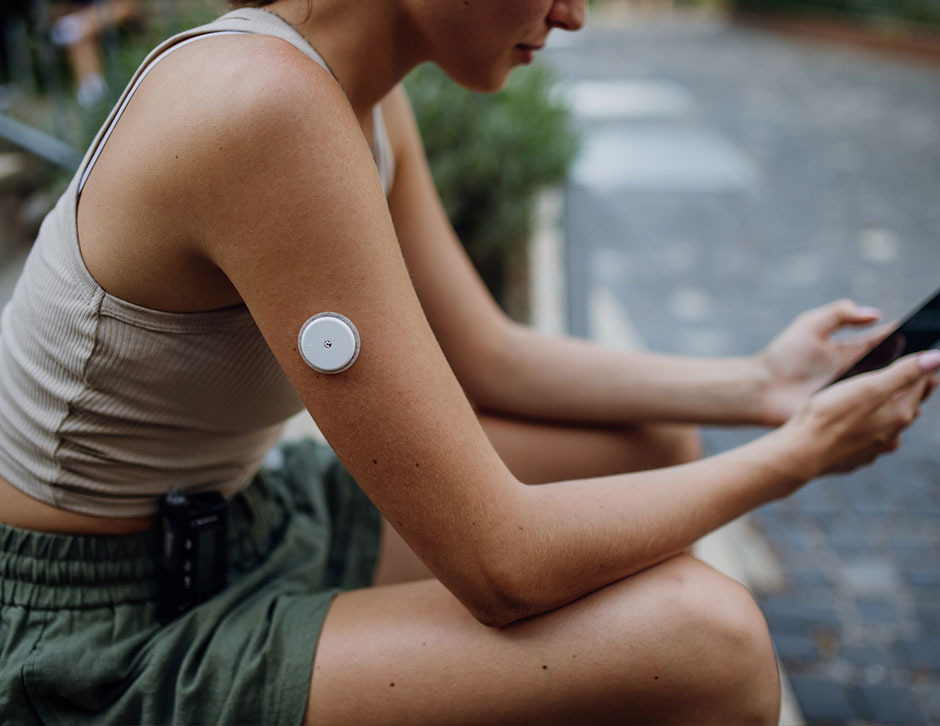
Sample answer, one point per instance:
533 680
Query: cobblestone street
729 180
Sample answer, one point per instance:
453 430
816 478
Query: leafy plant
490 154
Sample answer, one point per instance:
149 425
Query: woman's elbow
501 596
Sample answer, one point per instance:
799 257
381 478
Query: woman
78 29
253 183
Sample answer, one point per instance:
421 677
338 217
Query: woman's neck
369 46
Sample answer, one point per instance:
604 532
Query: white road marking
662 158
876 244
626 100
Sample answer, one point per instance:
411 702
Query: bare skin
643 650
613 647
539 453
252 182
20 510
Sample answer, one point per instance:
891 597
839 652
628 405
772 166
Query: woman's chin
480 82
489 84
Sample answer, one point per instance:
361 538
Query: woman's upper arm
299 224
472 330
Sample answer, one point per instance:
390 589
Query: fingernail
929 361
869 312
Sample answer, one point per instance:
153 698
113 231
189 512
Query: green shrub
490 154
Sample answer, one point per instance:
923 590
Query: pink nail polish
929 361
869 312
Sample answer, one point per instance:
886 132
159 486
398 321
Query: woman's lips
527 52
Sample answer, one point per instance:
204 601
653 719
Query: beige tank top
106 405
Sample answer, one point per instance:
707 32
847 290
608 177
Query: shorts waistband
44 570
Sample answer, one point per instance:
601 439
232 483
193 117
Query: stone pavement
729 180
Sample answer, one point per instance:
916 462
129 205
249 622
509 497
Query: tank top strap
259 20
242 20
264 22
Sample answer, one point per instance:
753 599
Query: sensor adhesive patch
328 342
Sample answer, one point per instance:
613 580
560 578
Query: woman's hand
803 358
851 423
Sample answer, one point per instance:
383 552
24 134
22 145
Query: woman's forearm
579 536
560 378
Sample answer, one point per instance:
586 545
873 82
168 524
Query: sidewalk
729 180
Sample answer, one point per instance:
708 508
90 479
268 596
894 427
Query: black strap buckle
193 550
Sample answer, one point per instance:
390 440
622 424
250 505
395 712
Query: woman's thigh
538 452
677 642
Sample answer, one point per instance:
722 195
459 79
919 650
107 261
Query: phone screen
919 331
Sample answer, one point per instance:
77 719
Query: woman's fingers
859 345
904 406
827 319
932 384
867 414
903 373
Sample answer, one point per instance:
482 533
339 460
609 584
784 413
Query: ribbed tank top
106 405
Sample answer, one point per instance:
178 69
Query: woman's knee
723 645
681 643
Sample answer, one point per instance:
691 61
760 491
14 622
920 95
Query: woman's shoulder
209 111
211 131
238 83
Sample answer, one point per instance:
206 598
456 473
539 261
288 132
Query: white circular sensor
329 343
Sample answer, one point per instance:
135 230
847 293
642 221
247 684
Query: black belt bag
193 550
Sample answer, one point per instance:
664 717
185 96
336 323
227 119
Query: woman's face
478 42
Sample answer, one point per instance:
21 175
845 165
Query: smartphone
919 331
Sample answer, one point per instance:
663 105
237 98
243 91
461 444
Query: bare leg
539 452
85 59
98 18
676 643
79 32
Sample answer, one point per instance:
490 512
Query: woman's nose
567 14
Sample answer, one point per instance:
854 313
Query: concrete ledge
739 551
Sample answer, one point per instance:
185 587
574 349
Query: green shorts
79 639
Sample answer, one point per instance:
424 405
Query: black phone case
919 331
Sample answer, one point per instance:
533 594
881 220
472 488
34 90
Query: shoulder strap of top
264 22
259 20
243 20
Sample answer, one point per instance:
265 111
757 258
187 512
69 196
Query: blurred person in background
77 28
